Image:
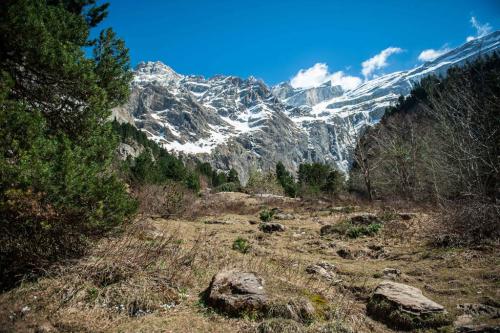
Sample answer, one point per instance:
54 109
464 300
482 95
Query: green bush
241 245
228 187
266 215
286 180
192 181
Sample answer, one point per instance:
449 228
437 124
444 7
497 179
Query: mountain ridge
244 124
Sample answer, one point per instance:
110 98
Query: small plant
241 245
388 215
357 231
92 294
266 215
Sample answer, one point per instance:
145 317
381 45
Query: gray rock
478 309
323 269
391 273
244 124
284 216
405 307
234 292
271 227
132 149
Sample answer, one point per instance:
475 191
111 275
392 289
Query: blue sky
274 40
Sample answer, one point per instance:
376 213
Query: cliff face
244 124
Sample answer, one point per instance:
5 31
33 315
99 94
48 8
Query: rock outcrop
245 124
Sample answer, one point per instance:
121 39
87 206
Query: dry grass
149 279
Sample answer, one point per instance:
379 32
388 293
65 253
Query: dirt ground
149 279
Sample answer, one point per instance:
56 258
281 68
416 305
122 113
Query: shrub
193 181
357 231
266 215
286 180
228 187
259 183
166 200
352 231
241 245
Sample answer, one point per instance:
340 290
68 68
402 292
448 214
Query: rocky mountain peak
154 72
244 124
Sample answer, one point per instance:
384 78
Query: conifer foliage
56 180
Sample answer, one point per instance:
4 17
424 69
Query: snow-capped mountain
244 124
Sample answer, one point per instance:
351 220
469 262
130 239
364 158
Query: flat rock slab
394 303
407 297
234 292
283 216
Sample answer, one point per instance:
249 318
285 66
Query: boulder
405 307
323 269
364 219
235 293
271 227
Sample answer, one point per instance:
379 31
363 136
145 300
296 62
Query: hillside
152 277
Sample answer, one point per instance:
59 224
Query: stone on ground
391 273
365 219
271 227
323 269
283 216
405 307
236 293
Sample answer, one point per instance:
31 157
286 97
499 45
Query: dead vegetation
149 278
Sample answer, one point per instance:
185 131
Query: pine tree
56 143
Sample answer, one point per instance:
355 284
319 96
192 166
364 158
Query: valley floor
150 278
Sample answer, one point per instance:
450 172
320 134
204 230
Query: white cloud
431 54
378 61
319 74
347 82
481 29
